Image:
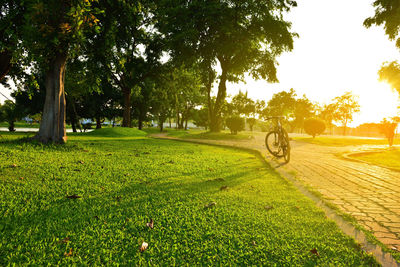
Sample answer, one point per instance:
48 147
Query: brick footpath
371 194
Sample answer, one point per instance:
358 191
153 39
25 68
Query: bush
235 124
314 126
388 128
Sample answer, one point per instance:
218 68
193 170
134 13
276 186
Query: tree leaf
144 246
150 224
314 251
69 254
74 196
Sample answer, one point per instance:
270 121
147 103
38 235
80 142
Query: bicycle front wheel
273 144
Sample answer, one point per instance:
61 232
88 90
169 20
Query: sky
334 54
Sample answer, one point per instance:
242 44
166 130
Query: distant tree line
133 62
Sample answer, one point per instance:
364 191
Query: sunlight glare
378 101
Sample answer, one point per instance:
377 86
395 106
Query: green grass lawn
202 134
388 158
23 124
343 141
124 178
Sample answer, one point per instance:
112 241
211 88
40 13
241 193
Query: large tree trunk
73 125
98 123
126 119
216 116
52 126
140 123
72 113
11 126
76 117
5 63
161 123
209 100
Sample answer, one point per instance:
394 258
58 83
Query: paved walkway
369 193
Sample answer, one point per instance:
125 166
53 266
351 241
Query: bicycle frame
280 146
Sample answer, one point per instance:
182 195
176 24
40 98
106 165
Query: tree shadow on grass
103 213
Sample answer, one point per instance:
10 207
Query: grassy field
21 125
388 158
202 134
343 141
88 203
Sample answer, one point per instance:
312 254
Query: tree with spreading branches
237 37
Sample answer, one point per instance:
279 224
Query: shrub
314 126
235 124
388 128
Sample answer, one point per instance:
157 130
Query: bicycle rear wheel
273 144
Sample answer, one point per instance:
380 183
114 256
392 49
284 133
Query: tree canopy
237 36
387 13
390 73
346 105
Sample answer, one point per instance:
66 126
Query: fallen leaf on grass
314 251
210 169
210 205
65 240
21 178
225 187
268 207
254 243
69 254
171 161
150 224
74 196
14 165
144 246
147 153
81 162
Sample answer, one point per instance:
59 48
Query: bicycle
277 140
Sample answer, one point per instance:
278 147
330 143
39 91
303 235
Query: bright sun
377 101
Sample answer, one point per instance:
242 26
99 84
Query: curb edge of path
348 156
382 257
